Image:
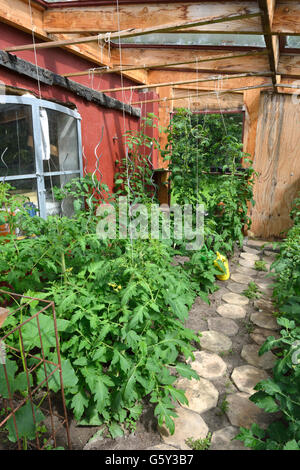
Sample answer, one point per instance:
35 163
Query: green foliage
225 197
121 309
252 292
134 178
199 444
281 393
260 266
28 416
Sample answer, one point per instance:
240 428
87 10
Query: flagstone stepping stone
265 289
180 260
231 311
248 271
258 244
202 395
208 365
225 325
265 320
268 260
265 305
271 254
235 287
259 335
247 249
247 263
250 256
187 424
215 341
246 377
240 278
242 412
223 440
250 354
236 299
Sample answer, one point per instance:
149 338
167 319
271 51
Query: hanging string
127 157
218 88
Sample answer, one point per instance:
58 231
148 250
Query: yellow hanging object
226 275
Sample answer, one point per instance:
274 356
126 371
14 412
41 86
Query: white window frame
36 105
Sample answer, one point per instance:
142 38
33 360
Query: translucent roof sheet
293 42
198 39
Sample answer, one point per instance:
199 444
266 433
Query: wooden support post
165 109
251 102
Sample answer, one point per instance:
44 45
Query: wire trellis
28 412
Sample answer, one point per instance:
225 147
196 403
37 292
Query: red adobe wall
93 116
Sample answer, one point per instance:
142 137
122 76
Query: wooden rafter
135 32
235 90
16 13
97 19
154 55
185 82
196 61
267 8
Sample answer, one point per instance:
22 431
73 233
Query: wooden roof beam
152 56
185 82
160 65
272 42
137 31
97 19
16 13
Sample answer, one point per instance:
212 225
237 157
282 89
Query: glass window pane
59 135
198 39
16 140
293 42
54 207
26 188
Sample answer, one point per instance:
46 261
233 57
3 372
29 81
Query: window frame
40 174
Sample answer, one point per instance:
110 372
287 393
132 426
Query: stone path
233 329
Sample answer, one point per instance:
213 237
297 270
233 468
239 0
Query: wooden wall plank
277 157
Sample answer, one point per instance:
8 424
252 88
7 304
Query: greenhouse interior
149 227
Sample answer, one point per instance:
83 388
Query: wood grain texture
150 56
277 155
209 102
165 109
107 18
286 17
160 76
251 102
289 65
17 13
